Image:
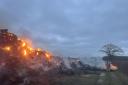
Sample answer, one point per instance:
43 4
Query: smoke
5 20
11 22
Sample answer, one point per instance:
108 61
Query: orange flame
48 55
7 48
29 51
39 49
37 53
23 44
113 67
25 52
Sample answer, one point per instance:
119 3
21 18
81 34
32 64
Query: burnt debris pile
20 63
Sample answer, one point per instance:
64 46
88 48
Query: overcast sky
68 27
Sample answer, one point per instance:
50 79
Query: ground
105 78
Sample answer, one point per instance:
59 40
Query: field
106 78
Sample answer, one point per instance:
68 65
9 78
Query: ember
113 67
7 48
48 56
25 52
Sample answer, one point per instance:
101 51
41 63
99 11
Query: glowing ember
37 53
23 44
113 67
39 49
48 56
7 48
30 48
25 52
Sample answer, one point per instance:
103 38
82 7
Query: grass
123 78
110 78
79 80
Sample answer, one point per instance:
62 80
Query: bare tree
110 51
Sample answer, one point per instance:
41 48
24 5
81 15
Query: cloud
69 27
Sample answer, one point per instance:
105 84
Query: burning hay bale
20 63
11 45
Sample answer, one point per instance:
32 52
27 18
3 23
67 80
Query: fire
48 55
22 48
25 47
37 53
113 67
30 48
39 49
29 51
25 52
7 48
23 44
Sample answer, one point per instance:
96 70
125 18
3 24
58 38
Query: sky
68 27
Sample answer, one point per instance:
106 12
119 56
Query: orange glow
21 47
39 49
7 48
30 48
23 44
28 51
113 67
48 56
37 53
26 47
26 42
25 52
